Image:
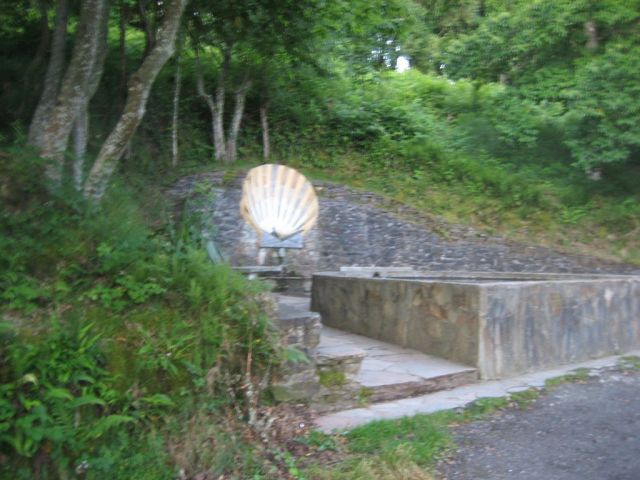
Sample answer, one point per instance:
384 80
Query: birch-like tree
237 36
53 76
137 95
75 90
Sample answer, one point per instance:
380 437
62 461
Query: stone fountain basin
501 323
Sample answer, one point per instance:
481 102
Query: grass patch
409 447
426 434
405 448
524 399
364 394
483 407
578 375
395 464
630 362
519 206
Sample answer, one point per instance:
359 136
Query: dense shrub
109 328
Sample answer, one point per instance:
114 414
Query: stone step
385 386
354 370
390 372
346 359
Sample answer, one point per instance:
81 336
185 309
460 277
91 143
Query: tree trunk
38 58
176 109
218 119
264 122
80 140
124 20
236 119
81 124
149 27
52 77
210 103
591 31
125 15
138 93
45 37
75 87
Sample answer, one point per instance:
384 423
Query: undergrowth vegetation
477 153
125 353
118 339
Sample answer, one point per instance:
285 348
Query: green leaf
59 393
87 400
159 399
104 424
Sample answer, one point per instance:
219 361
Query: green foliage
577 375
506 108
426 435
630 362
332 378
128 456
605 109
525 398
55 396
145 326
320 441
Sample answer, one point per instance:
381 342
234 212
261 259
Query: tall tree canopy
261 71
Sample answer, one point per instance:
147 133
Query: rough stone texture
530 326
358 228
386 372
435 319
503 324
344 359
300 329
332 398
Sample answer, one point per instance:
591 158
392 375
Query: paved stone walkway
455 398
387 366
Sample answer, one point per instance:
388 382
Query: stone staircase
355 371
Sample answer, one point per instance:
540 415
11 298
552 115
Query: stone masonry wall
363 229
433 318
529 327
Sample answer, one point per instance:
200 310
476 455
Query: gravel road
579 431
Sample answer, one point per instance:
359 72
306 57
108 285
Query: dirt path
579 431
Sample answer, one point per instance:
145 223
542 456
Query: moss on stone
332 378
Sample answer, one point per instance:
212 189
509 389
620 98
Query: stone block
503 324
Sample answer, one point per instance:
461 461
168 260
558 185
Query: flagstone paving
390 371
454 398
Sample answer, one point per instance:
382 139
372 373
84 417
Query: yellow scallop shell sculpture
280 204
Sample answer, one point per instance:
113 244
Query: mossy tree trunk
264 122
52 77
137 95
175 118
81 125
219 141
75 88
236 119
216 139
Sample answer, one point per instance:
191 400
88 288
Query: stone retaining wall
502 326
359 228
